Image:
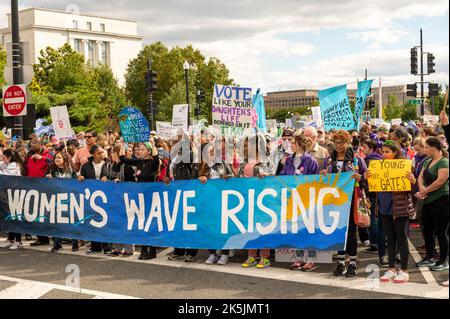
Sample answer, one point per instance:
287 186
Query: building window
102 27
77 45
90 52
75 24
89 26
104 53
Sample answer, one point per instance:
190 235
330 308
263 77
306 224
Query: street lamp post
186 67
16 59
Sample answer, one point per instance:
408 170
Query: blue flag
361 97
335 109
258 105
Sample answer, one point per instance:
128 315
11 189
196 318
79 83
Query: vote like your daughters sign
232 110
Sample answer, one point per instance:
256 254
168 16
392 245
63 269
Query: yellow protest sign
389 176
3 138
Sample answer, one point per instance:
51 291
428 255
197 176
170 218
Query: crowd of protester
307 151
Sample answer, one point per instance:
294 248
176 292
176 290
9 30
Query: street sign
14 100
414 102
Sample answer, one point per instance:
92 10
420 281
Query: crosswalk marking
29 289
426 273
432 290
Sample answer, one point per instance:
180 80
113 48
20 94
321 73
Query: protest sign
335 108
389 176
288 123
3 137
430 120
180 116
61 122
165 130
134 126
317 116
396 121
361 97
304 212
272 126
232 110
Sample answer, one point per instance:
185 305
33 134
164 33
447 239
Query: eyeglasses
88 136
340 143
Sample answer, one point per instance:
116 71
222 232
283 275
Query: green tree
169 66
92 95
392 110
2 65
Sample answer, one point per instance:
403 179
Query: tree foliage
168 63
92 94
2 65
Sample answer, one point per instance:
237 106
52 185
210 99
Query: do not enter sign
14 100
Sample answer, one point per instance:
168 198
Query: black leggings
15 236
183 251
435 221
396 231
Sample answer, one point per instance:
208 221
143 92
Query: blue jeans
58 241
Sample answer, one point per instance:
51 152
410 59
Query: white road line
426 273
25 290
165 252
29 289
410 289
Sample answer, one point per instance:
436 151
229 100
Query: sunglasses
88 136
340 143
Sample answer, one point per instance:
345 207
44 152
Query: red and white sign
14 100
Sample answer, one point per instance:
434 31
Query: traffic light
414 62
200 96
371 104
151 81
431 64
433 89
411 90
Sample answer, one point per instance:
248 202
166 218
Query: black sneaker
56 248
38 243
371 250
339 270
426 262
75 248
439 266
189 259
351 271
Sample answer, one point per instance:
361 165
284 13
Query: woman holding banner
343 159
11 165
60 168
395 209
147 166
301 163
210 169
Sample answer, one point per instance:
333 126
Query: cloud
245 35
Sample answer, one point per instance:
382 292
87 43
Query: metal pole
187 96
16 60
422 104
149 94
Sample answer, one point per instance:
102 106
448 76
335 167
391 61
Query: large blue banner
335 108
361 97
304 212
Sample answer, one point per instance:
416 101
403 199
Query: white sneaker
6 244
367 243
401 277
388 276
445 283
223 260
212 259
16 246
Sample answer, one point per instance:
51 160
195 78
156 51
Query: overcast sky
289 44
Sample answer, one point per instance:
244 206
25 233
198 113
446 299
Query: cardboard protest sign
335 108
134 126
61 122
430 120
165 130
389 176
180 116
317 116
272 126
232 110
396 121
